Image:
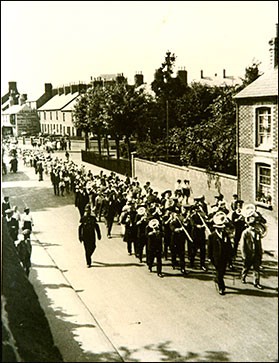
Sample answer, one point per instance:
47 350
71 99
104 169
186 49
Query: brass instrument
203 222
185 230
250 210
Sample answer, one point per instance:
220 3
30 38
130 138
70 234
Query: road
118 311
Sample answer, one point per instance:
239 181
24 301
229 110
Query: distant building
218 81
257 134
56 115
17 116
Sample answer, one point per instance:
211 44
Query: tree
209 142
124 109
251 74
80 117
95 113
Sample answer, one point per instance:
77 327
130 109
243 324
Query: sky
71 41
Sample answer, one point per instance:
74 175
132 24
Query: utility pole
167 119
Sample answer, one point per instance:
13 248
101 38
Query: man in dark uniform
198 234
154 243
5 205
178 239
219 249
24 250
141 238
86 231
12 224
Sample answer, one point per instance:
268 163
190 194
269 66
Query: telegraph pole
167 119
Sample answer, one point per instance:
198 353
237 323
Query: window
45 115
60 129
63 116
263 183
72 116
56 115
263 128
50 115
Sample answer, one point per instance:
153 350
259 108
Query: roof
70 106
58 102
15 109
265 85
219 81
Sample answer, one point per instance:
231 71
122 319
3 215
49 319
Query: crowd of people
19 227
158 226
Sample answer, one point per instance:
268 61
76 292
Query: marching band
161 225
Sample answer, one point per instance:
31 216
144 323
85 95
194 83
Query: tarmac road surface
118 311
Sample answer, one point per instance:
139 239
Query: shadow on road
66 334
104 264
252 292
37 198
19 176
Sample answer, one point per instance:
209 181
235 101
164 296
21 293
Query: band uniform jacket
219 249
88 226
251 244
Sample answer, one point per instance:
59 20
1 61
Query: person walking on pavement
219 249
40 169
27 220
87 231
24 249
5 205
12 224
251 250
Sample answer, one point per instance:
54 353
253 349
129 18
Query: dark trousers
199 244
130 243
141 242
158 254
56 189
237 237
255 262
167 243
89 247
178 250
109 224
220 270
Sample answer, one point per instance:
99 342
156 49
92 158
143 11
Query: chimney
60 91
138 79
23 99
81 88
73 88
273 50
120 78
67 89
201 74
48 88
224 73
12 87
182 75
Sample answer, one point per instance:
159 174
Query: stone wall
163 176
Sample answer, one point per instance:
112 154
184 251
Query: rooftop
265 85
58 102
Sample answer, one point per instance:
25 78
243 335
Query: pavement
119 311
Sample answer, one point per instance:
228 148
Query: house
56 115
257 139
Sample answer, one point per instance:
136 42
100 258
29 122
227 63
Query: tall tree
80 117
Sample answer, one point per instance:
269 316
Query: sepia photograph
139 191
